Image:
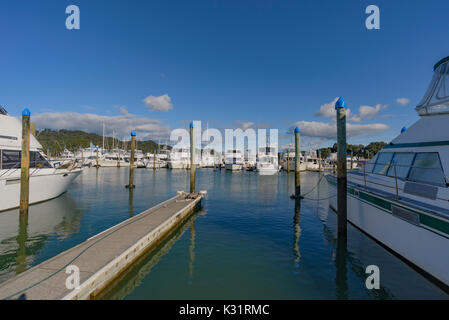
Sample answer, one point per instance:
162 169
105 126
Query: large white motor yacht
401 197
267 161
46 182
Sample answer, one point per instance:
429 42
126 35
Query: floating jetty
104 257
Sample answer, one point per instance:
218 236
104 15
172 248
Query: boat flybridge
234 159
267 161
401 197
46 182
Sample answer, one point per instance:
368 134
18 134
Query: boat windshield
436 99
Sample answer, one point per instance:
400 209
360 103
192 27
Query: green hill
58 140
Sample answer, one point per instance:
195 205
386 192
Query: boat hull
267 171
177 165
417 244
291 166
42 187
233 167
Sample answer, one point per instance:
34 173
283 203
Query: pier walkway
102 258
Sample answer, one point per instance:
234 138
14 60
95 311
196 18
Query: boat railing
395 174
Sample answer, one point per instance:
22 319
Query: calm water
250 241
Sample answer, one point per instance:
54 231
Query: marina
247 223
224 150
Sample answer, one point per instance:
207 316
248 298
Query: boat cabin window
422 167
403 162
10 159
383 163
427 169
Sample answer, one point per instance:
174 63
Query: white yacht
288 159
311 160
163 156
154 160
401 197
88 156
139 159
46 182
179 158
267 161
207 159
234 160
111 159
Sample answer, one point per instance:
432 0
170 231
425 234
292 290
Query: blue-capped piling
131 161
192 159
25 163
297 162
340 107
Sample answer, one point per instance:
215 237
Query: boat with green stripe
401 196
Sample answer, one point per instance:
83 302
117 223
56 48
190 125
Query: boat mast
103 137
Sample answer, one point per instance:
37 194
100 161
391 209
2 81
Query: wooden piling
97 164
297 162
288 160
192 160
33 128
215 162
25 163
154 159
131 161
340 107
319 160
118 161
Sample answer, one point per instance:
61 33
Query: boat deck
102 258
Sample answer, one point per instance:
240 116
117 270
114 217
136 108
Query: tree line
58 140
357 150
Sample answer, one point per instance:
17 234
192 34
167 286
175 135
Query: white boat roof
11 133
427 129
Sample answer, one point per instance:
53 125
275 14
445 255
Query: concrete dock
102 258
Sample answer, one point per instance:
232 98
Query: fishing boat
288 159
401 197
234 160
46 182
267 161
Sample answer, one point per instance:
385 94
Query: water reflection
132 277
131 202
22 236
341 277
297 230
192 248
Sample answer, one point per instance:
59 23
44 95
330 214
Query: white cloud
329 130
403 101
327 110
367 112
245 124
161 103
122 124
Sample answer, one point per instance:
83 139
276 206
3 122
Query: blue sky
231 63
